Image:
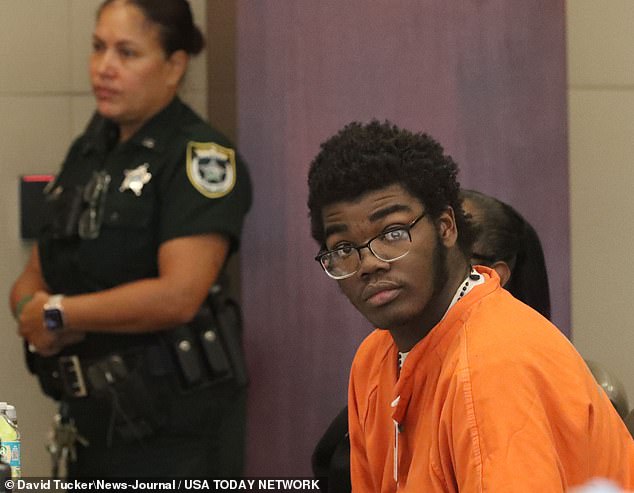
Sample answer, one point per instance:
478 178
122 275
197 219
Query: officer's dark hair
362 158
504 235
175 21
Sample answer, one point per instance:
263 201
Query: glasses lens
391 245
340 263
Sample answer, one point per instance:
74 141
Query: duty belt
72 376
197 358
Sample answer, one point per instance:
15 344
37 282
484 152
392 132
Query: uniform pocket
126 249
126 210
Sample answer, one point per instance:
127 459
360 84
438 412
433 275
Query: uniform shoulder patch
211 168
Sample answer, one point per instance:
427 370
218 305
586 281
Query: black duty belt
73 376
197 358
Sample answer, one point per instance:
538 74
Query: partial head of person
507 243
141 50
385 210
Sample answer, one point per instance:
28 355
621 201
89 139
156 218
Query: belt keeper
72 376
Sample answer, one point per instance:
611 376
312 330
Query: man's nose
370 263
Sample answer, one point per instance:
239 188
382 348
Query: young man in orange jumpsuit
461 387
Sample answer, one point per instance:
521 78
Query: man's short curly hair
362 158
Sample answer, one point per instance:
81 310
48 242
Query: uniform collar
156 133
101 134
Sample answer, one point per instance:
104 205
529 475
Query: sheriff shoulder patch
211 168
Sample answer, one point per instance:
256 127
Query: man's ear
447 229
503 270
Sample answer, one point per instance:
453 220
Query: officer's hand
31 326
68 338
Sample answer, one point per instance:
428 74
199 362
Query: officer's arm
188 267
29 282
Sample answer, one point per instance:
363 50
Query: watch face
53 319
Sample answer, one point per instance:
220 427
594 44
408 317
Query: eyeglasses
388 246
94 196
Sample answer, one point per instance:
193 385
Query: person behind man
115 300
461 387
508 243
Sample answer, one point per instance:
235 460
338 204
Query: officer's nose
104 63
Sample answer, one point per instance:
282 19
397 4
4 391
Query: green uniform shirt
175 177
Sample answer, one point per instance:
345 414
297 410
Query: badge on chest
135 179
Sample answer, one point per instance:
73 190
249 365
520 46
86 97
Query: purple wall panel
486 78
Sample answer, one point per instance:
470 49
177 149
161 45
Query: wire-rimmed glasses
389 245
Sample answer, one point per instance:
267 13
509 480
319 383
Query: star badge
135 179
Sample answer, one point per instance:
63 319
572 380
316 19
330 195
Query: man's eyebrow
382 213
334 229
375 216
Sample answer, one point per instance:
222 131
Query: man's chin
387 320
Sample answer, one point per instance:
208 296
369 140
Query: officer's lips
104 93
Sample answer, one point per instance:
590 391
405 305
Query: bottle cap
11 413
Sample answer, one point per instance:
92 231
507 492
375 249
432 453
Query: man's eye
342 252
97 47
394 235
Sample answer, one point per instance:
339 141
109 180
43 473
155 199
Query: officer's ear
177 66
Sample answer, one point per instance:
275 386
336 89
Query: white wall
45 101
601 117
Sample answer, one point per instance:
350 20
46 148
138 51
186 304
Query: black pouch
199 355
136 407
208 350
228 319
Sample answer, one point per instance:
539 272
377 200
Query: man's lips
381 293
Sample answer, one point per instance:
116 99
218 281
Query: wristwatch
54 313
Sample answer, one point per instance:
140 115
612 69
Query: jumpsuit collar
433 341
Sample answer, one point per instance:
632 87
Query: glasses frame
407 228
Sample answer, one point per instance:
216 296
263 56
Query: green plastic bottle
10 439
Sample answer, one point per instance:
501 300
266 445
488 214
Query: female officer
147 207
507 243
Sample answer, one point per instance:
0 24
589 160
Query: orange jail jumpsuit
494 398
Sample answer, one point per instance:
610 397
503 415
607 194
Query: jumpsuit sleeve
360 474
524 423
